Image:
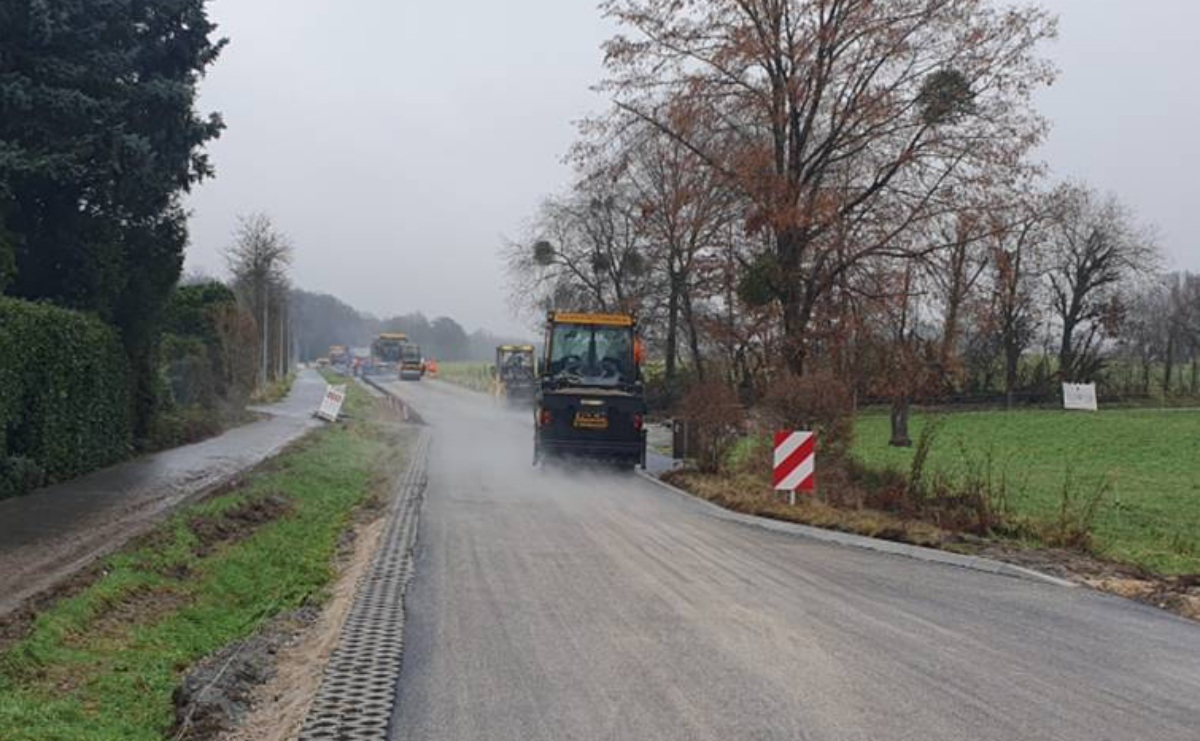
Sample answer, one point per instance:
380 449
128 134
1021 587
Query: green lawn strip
103 664
1151 459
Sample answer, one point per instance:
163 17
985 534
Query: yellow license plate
591 421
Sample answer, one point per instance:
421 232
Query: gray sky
395 142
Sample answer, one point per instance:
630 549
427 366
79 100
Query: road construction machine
514 376
385 352
338 356
590 400
412 363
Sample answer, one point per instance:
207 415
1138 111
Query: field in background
1150 460
472 375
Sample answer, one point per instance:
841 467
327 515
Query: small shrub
209 348
19 475
183 426
986 493
977 500
750 454
925 440
1074 523
716 418
819 402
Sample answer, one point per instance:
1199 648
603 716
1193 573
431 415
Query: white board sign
1080 396
331 405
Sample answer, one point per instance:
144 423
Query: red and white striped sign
795 461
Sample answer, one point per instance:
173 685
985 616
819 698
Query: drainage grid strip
357 692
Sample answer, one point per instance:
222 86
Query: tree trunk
796 316
900 438
689 318
1012 360
1168 365
672 334
949 337
265 330
789 246
1066 356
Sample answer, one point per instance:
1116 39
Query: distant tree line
790 188
322 320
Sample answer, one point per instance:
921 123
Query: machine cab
590 401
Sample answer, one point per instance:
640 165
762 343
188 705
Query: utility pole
265 331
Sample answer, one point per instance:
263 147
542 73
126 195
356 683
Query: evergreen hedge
64 395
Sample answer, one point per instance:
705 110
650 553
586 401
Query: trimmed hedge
64 395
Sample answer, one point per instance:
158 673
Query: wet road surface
554 605
54 532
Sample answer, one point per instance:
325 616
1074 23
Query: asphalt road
553 605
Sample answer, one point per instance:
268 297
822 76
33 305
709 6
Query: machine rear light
545 418
638 421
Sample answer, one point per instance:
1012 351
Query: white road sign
1080 396
331 405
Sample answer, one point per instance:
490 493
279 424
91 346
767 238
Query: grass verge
750 493
102 665
1144 460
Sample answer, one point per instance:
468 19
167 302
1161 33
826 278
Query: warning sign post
795 462
331 405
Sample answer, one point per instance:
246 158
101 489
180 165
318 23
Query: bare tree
258 260
1145 333
833 111
1183 327
900 363
954 271
584 251
684 214
1162 330
1017 245
1096 247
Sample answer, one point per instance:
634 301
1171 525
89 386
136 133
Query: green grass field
1151 458
475 376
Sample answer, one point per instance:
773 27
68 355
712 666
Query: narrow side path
52 533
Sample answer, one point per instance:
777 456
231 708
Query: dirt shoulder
1177 594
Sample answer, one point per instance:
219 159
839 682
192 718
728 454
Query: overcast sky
397 142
